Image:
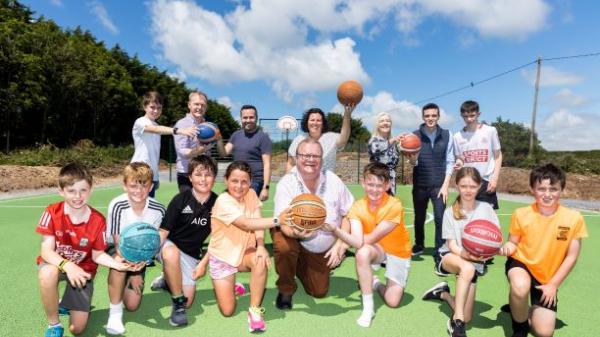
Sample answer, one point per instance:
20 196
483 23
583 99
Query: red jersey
74 242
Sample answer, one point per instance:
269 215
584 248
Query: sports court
22 314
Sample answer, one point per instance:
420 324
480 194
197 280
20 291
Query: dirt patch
512 180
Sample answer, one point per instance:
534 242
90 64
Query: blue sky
287 56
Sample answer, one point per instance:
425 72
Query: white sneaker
115 325
365 319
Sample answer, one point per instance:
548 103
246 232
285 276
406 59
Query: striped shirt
121 215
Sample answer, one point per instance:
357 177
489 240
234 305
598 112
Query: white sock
368 311
115 319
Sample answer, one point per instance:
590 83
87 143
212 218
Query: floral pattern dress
381 151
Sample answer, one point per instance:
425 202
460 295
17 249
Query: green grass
21 312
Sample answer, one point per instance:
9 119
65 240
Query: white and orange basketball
410 144
308 212
482 238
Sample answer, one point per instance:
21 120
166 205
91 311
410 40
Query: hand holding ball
308 212
410 144
482 238
208 132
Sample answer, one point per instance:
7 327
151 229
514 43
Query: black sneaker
178 315
520 334
417 250
283 302
437 269
456 328
435 293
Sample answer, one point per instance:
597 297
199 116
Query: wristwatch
276 222
175 130
266 187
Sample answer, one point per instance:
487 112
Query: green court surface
21 312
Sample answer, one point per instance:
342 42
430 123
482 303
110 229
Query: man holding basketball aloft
308 255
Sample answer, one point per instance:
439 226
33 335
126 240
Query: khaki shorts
396 269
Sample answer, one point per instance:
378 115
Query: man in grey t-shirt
253 146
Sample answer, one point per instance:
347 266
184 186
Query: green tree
514 139
358 132
221 115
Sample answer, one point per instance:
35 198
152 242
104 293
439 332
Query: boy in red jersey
73 243
543 245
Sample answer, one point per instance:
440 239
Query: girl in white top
455 259
146 134
314 124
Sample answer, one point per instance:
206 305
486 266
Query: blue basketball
139 242
208 132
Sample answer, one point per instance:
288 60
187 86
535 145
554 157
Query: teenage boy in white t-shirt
477 145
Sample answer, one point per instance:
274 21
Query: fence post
170 158
358 163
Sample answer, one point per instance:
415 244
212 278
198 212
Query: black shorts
535 295
183 181
440 267
483 195
78 299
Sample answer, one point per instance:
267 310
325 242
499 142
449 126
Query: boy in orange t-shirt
543 245
378 234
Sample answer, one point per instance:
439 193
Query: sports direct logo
476 156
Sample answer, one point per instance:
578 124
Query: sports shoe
456 328
283 302
256 322
62 311
178 315
55 331
239 289
520 334
159 283
435 293
417 250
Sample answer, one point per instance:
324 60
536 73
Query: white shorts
186 263
396 269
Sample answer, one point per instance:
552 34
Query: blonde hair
138 172
380 116
464 172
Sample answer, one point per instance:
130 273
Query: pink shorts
220 269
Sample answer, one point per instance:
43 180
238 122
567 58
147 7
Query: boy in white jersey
128 208
477 145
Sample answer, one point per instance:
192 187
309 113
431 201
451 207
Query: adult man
431 176
310 256
477 145
189 147
252 145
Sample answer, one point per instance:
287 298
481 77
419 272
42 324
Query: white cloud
567 98
101 14
564 130
228 102
550 76
304 46
406 116
57 3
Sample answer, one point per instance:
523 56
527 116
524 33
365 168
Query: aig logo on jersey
200 221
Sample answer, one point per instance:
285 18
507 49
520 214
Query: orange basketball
308 212
410 144
350 92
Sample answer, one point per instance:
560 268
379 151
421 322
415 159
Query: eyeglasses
307 156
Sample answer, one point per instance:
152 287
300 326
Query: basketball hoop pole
287 140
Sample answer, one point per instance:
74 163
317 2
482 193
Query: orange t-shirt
397 242
544 240
228 242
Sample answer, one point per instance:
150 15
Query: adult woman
314 124
382 146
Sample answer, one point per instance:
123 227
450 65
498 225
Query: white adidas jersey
120 215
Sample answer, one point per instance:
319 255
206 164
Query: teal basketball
139 242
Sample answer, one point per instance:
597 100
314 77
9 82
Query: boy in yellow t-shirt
543 246
378 234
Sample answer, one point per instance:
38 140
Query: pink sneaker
256 322
239 289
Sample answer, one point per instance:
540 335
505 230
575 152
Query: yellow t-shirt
544 240
397 242
228 242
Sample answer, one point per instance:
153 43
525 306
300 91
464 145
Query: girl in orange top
237 244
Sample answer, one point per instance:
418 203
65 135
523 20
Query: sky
287 56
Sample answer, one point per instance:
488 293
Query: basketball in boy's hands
139 242
350 92
208 132
410 144
482 238
308 212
